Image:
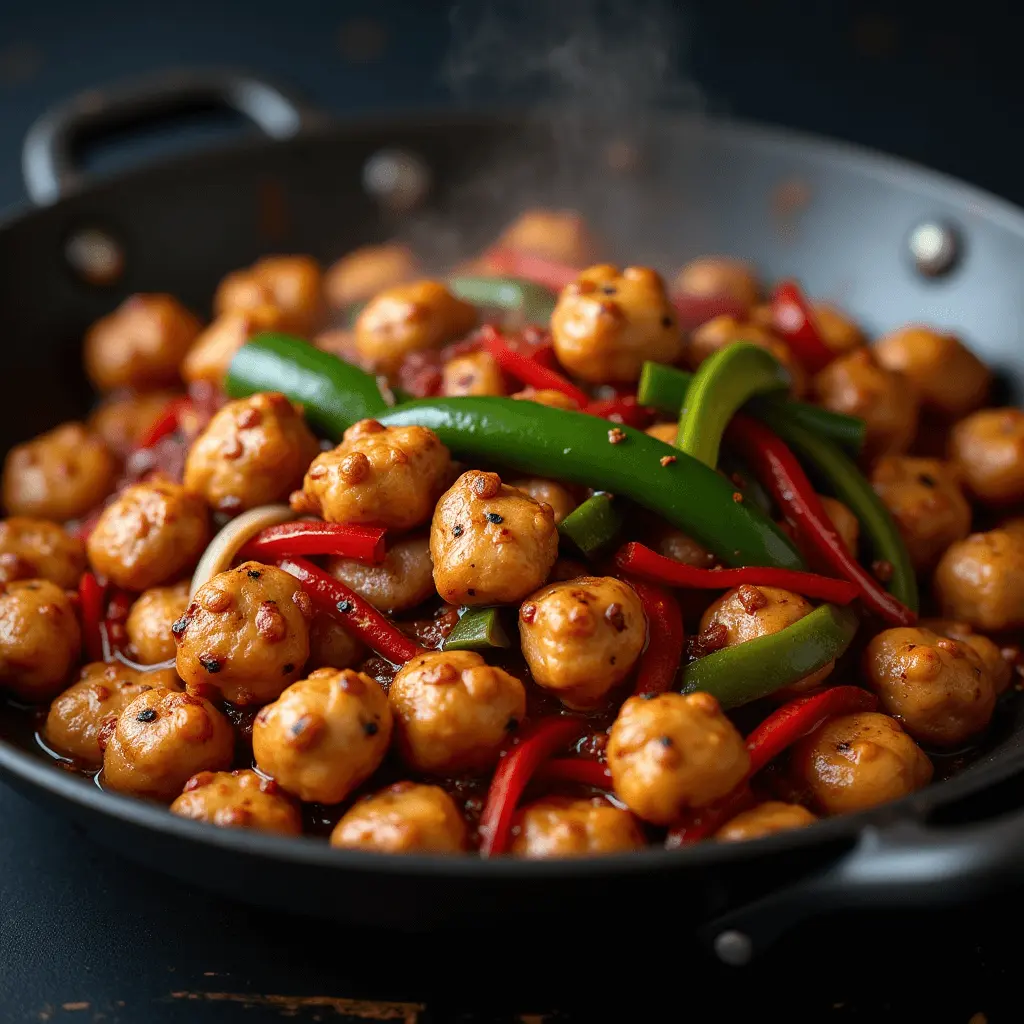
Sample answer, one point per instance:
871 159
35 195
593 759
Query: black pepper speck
345 606
371 728
254 574
456 530
146 715
179 627
285 669
493 517
212 665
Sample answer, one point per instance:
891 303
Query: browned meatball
82 718
209 358
331 646
291 284
403 580
764 820
857 386
362 273
718 276
581 637
560 235
388 476
980 580
609 321
407 817
122 419
60 475
151 533
680 547
239 799
39 549
949 377
670 753
246 633
547 492
558 826
253 452
410 318
324 735
721 331
490 543
163 738
997 662
150 621
39 639
547 396
141 344
988 448
453 712
846 523
858 761
925 499
475 373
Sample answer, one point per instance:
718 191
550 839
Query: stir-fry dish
544 557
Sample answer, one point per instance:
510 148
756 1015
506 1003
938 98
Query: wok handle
48 157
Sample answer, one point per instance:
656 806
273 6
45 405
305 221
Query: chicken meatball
680 547
453 712
141 344
581 637
559 235
988 448
331 645
403 580
362 273
151 533
475 373
549 397
209 358
407 817
291 284
409 318
39 549
726 330
846 523
253 452
387 476
948 376
547 492
324 735
122 419
60 475
858 386
980 580
490 543
245 633
163 738
858 761
670 753
151 618
610 321
837 330
926 502
562 827
239 799
764 820
997 662
39 639
82 718
718 277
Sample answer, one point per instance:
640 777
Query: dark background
87 937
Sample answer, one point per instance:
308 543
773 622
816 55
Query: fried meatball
559 235
764 820
39 639
925 500
837 330
150 621
475 373
60 475
948 376
996 662
988 449
490 543
857 761
362 273
717 277
41 550
209 358
239 799
858 386
453 712
291 284
141 344
81 719
324 735
581 637
253 452
407 817
331 645
671 753
680 547
549 397
846 523
558 826
408 318
548 492
245 633
980 580
403 580
122 420
387 476
608 322
163 738
726 330
151 533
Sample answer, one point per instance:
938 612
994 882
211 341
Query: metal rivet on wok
397 179
94 256
733 948
934 247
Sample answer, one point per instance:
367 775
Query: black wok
893 243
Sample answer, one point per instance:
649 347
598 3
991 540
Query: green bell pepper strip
479 629
537 439
724 382
756 668
664 388
531 301
594 525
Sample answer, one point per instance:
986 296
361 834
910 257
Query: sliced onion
138 666
221 551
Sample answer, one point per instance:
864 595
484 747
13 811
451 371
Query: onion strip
120 656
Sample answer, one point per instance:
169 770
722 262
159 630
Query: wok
892 242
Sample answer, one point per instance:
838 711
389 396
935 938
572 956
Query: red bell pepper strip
694 310
641 561
706 821
539 269
91 595
166 423
623 409
534 745
793 318
528 370
659 663
119 604
576 769
346 540
355 614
